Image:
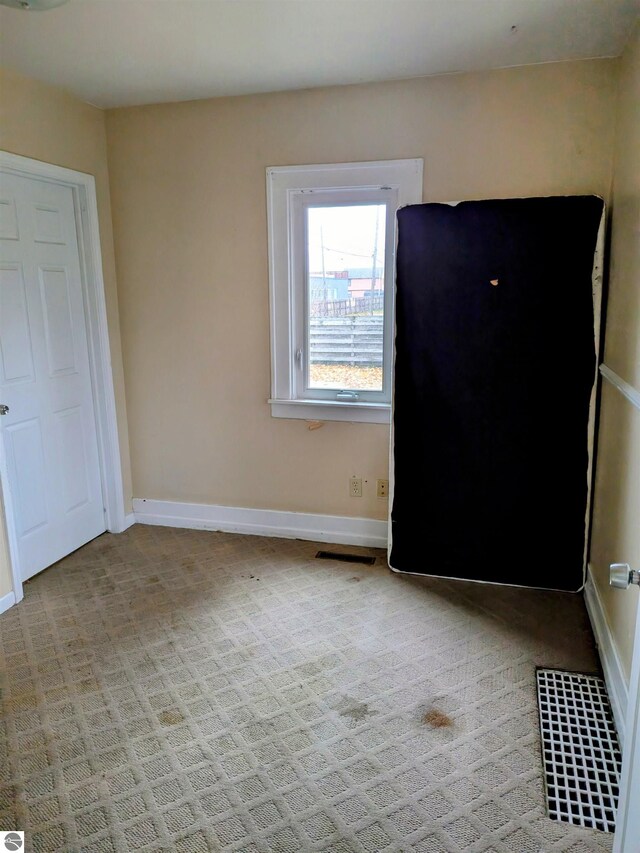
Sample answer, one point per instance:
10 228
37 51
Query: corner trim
7 601
129 521
611 665
338 529
628 391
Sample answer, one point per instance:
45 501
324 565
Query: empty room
320 426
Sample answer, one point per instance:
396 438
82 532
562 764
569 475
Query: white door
49 432
627 838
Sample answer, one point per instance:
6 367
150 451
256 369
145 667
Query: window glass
345 296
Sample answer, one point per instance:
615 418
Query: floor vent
580 749
345 558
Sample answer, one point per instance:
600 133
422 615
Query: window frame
353 197
290 191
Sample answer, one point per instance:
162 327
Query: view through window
345 296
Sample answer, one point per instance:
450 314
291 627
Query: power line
345 252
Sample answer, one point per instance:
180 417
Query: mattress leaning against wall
497 336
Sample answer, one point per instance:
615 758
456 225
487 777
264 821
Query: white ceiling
122 52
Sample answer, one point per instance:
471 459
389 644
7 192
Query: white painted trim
322 174
10 525
129 520
609 657
338 529
398 182
627 818
332 410
628 391
86 208
7 601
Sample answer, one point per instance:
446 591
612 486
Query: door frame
83 187
627 818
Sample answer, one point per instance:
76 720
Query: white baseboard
337 529
7 601
611 665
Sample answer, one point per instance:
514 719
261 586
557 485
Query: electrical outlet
355 487
382 488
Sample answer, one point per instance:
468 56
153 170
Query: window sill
332 410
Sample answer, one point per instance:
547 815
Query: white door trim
627 817
86 209
612 668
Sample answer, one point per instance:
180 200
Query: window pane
345 296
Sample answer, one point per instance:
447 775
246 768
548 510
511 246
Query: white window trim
285 184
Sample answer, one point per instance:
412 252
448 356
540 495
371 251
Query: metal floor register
580 749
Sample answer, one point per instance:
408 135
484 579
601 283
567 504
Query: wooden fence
348 340
345 307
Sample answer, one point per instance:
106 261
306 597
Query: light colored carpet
193 691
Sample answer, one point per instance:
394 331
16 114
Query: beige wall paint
47 124
188 198
622 341
616 531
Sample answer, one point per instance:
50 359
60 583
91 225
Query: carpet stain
309 669
354 579
436 719
357 711
170 718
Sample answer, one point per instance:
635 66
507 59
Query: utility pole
324 278
374 260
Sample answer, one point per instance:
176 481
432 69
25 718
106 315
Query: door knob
4 410
621 575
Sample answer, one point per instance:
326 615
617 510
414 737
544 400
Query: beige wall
188 197
616 532
47 124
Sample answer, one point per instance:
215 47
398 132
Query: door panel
494 304
73 463
50 431
48 225
56 310
17 360
27 470
8 219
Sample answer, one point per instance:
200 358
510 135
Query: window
332 234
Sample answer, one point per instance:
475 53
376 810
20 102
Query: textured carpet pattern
193 691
